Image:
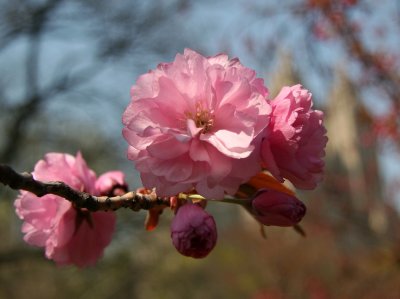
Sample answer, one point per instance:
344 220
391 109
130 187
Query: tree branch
386 78
133 200
24 112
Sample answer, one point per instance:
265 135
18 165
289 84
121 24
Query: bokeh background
66 70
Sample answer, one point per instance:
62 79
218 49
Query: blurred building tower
352 171
283 75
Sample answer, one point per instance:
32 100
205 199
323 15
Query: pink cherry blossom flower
193 231
194 123
272 207
69 235
294 142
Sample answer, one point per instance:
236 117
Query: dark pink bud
272 207
111 183
193 231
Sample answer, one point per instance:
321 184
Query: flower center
202 118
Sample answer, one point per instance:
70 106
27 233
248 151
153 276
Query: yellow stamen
202 118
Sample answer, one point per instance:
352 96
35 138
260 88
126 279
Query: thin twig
133 200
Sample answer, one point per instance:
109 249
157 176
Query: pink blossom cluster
203 126
207 124
69 235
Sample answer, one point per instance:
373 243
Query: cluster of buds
194 231
207 126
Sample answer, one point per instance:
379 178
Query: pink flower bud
272 207
193 231
112 183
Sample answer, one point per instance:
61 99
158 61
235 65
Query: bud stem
239 201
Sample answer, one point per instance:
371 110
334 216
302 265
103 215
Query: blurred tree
322 34
53 53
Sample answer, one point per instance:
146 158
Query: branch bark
132 200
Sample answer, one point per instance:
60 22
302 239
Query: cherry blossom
294 143
195 123
68 235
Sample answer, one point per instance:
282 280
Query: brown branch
133 200
387 79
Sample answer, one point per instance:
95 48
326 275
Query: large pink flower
294 142
69 235
194 123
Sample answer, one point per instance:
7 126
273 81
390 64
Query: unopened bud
193 231
272 207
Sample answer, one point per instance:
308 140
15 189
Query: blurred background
66 71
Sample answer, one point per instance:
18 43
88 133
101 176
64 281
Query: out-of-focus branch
133 200
24 112
387 79
37 24
37 17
